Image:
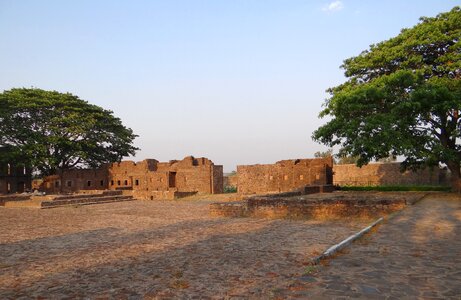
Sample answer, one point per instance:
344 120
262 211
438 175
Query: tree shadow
241 262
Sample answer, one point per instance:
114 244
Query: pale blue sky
239 82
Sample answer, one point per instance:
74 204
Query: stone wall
285 175
386 174
75 180
338 205
148 178
231 180
14 179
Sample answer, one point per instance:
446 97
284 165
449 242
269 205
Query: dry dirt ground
156 250
415 254
174 249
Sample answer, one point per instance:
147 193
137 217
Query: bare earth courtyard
175 249
154 249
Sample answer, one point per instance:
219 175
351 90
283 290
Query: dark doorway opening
172 180
21 187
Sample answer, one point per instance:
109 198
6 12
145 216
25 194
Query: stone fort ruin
14 178
284 175
375 174
147 179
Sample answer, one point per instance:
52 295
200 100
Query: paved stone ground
416 254
156 250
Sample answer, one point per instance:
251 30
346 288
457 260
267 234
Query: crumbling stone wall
131 175
14 178
76 180
284 175
145 178
231 180
386 174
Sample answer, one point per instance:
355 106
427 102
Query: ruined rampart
285 175
375 174
147 179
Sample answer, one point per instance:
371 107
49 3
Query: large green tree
51 130
402 97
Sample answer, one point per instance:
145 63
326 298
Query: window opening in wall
8 188
136 182
301 177
57 183
69 183
101 183
9 169
24 171
111 182
126 182
118 182
88 183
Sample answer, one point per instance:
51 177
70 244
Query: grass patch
309 270
397 188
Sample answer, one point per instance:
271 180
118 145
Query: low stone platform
337 205
52 201
14 197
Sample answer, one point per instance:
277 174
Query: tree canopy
323 154
50 130
402 97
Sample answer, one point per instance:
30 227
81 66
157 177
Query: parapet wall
375 174
285 175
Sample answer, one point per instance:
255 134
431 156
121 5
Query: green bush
230 189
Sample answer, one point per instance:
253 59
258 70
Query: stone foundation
338 205
160 195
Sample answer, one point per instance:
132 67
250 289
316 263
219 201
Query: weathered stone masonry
375 174
147 179
76 180
285 175
14 178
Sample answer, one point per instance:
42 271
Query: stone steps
85 201
69 201
84 196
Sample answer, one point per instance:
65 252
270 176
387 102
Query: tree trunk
454 167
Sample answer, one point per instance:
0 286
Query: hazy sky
237 81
